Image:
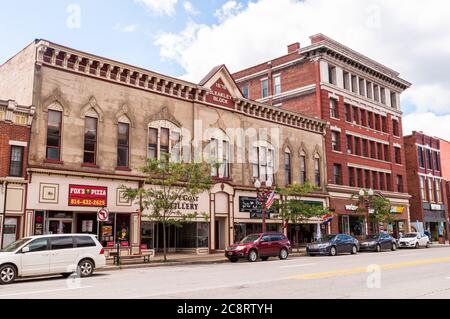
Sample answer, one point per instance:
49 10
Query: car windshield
249 239
375 236
326 238
410 236
15 245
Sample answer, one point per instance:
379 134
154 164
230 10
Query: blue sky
186 38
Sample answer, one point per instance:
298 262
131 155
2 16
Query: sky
186 39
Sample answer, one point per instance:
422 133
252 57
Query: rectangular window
394 100
389 182
263 163
123 145
335 141
362 87
383 95
370 119
377 122
302 169
357 146
164 147
398 157
287 169
175 147
317 176
332 74
225 168
373 150
255 162
430 190
90 141
351 177
363 117
420 156
245 91
16 161
334 108
399 183
375 180
367 179
376 91
429 162
214 154
354 84
348 113
355 115
380 151
437 162
395 128
438 191
423 193
349 144
387 158
381 178
369 90
270 164
277 85
384 124
346 80
337 174
54 135
365 145
265 88
152 143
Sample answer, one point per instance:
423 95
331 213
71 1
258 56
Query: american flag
270 200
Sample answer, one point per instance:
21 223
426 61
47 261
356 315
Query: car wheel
233 260
394 247
333 251
85 268
264 258
284 254
417 246
252 256
354 250
428 245
378 248
8 274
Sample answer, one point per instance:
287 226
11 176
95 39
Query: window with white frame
430 190
164 140
423 193
262 163
438 191
220 154
277 84
264 88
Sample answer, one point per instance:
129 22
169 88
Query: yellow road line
348 272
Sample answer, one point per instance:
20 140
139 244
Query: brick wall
445 159
11 132
416 210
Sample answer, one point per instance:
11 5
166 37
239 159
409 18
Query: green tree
380 208
295 210
165 185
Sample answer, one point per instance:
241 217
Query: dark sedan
378 242
333 245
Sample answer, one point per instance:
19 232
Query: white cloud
189 8
128 28
228 10
429 123
159 7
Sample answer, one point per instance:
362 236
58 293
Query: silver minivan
49 255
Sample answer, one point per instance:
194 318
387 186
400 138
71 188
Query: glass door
345 225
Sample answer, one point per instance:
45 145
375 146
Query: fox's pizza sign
88 196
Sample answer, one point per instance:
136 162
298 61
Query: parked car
262 246
378 242
333 245
51 254
414 240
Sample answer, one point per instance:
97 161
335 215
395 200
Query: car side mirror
25 250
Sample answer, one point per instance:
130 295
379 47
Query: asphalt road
423 273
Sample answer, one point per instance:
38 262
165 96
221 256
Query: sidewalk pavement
191 259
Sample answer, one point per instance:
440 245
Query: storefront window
147 233
202 235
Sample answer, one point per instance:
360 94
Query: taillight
102 252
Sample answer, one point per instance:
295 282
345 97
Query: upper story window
335 141
437 162
349 144
376 93
355 115
90 140
334 108
265 88
123 145
383 95
220 151
245 91
317 169
429 160
420 157
423 192
303 175
337 174
262 163
351 177
430 190
354 84
400 183
348 113
346 80
332 74
16 161
369 90
395 128
54 124
398 156
362 87
394 100
164 141
438 191
277 84
287 168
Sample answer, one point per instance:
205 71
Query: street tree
379 207
166 184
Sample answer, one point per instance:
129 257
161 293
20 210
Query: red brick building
426 184
15 123
360 99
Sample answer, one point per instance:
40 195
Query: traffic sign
102 215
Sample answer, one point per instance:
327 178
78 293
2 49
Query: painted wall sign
88 196
220 95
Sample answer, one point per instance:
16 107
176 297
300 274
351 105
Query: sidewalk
180 259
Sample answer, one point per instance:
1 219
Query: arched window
303 172
287 167
317 171
164 140
54 132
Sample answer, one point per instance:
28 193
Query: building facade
426 184
97 120
15 124
360 99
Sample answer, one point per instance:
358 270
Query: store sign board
220 95
88 196
352 208
436 207
397 210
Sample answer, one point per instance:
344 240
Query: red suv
260 245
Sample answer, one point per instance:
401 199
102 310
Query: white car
414 240
51 254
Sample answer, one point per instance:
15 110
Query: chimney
293 47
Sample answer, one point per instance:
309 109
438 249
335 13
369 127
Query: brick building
15 122
360 98
426 184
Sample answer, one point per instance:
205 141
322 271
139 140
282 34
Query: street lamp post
366 200
263 191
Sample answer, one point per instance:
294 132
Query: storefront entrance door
56 226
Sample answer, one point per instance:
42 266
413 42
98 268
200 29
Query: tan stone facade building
97 120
